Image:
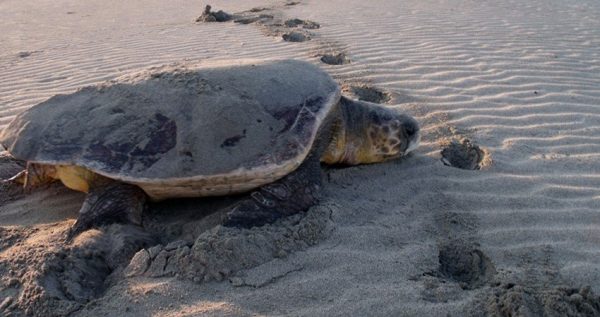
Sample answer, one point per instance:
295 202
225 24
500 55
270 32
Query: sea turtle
191 131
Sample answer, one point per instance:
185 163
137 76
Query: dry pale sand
519 237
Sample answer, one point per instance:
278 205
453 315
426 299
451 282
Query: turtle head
369 133
388 134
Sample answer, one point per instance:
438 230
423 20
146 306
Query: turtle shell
183 131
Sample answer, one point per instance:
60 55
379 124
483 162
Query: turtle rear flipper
294 193
110 202
10 168
12 173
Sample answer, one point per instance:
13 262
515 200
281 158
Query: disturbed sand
496 214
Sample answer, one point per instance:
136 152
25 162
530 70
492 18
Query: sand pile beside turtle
42 275
221 252
46 277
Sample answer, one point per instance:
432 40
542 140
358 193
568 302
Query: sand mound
221 252
209 16
47 277
44 276
521 301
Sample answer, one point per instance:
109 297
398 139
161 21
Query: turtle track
464 154
270 19
335 58
531 290
367 93
295 36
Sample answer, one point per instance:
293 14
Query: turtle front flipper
294 193
109 202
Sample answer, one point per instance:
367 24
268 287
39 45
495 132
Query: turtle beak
412 132
413 143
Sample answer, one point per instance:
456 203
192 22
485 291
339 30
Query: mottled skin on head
368 133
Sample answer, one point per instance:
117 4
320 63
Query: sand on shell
414 237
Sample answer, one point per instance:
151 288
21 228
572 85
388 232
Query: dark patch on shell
161 139
314 103
232 141
290 151
304 125
288 115
302 129
113 160
291 114
187 153
65 151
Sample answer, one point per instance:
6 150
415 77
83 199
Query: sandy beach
516 232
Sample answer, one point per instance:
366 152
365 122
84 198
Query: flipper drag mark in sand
270 19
